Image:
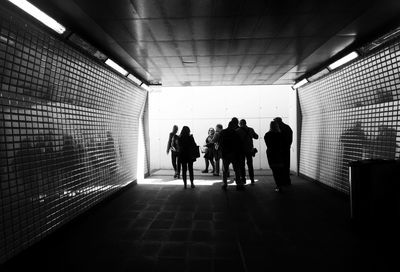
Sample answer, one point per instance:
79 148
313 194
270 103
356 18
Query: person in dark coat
173 147
287 134
246 134
186 145
275 154
230 148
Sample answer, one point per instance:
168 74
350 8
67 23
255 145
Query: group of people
234 145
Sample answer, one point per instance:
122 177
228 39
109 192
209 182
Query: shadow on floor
153 227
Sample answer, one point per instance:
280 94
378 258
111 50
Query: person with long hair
209 151
186 158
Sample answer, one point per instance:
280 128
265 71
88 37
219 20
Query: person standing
186 145
173 147
287 135
209 151
217 151
275 154
246 134
230 146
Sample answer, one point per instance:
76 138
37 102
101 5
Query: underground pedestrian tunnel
91 89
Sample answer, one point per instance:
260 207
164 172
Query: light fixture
318 75
116 67
145 86
299 84
39 15
134 79
344 60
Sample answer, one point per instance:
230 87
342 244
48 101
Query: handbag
194 152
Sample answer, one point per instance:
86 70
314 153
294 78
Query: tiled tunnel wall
68 133
351 114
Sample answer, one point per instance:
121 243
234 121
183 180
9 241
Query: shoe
184 186
175 175
192 186
252 182
205 171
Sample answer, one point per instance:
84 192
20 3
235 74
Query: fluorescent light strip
116 67
343 60
145 86
134 79
299 84
39 15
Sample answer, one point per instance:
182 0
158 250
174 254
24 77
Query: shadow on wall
41 164
358 145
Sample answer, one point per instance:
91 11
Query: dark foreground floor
166 228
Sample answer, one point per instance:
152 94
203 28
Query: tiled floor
162 227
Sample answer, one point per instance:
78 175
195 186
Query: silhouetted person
109 148
230 146
287 135
209 153
246 134
186 145
235 122
173 147
217 150
353 141
275 154
385 143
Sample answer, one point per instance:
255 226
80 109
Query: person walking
186 146
173 147
275 154
209 151
230 145
246 134
287 134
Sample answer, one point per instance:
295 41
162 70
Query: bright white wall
200 108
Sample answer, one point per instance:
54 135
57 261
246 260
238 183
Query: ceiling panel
230 41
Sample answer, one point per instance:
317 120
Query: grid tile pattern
352 114
68 133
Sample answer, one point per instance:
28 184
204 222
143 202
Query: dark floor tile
156 235
173 250
227 251
200 251
203 215
133 234
224 236
161 224
166 215
200 265
139 264
179 235
232 265
182 224
148 249
170 264
202 225
184 215
201 236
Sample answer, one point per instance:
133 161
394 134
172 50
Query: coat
186 146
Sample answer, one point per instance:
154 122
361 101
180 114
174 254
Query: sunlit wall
203 107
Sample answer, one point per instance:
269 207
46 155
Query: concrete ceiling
224 42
